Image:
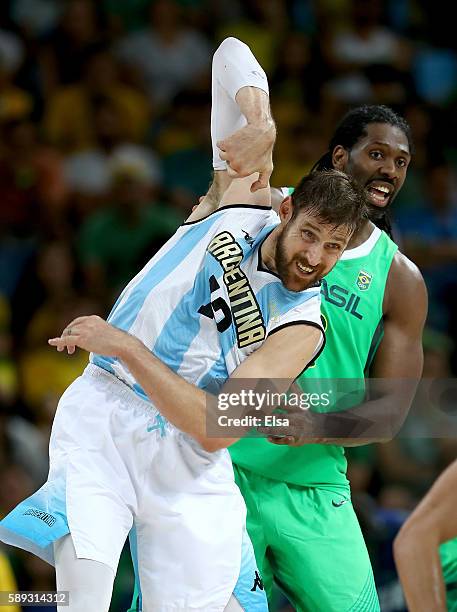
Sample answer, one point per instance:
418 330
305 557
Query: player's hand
95 335
250 150
294 440
298 432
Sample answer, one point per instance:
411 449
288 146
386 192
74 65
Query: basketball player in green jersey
300 518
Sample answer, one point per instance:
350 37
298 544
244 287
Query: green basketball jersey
352 297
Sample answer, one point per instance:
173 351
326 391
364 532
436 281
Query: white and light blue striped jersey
205 302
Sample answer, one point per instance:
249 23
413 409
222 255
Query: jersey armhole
320 347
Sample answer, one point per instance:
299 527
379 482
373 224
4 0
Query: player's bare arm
238 81
281 358
398 361
250 149
247 150
433 522
253 141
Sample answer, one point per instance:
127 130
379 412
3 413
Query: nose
314 254
388 168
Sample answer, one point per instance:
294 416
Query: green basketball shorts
308 541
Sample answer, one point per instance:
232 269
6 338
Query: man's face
378 161
307 249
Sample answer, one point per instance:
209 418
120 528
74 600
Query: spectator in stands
88 172
15 103
430 239
31 180
69 116
169 55
365 42
65 49
116 241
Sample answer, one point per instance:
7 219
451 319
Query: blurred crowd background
105 147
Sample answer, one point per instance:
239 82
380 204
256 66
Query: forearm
240 106
254 104
350 442
376 420
240 101
180 402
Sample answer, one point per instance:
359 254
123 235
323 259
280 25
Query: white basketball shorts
116 463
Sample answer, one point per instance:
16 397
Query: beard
285 267
375 213
281 258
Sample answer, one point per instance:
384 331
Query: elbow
212 445
401 543
413 537
227 46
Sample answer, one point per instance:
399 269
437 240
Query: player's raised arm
242 144
242 129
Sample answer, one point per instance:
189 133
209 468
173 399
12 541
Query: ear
286 210
339 158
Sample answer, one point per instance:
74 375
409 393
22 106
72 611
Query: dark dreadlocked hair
353 127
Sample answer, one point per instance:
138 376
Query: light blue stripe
137 598
24 521
249 600
263 234
125 315
102 361
218 374
175 338
275 300
183 325
213 380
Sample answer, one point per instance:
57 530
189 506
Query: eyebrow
386 144
316 228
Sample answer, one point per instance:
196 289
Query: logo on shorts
257 582
159 423
43 516
340 503
364 280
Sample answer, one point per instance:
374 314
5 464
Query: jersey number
217 305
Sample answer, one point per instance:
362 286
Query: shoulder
235 212
304 310
405 288
404 271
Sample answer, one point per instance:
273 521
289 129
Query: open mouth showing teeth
379 194
304 269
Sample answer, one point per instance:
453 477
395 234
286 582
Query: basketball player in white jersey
231 295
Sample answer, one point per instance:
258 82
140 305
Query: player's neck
361 235
268 250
